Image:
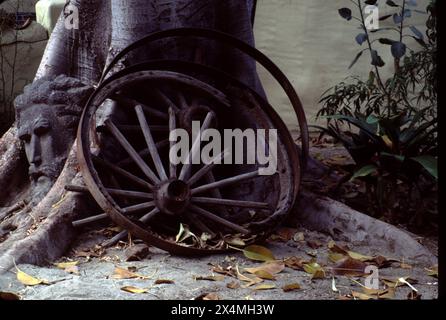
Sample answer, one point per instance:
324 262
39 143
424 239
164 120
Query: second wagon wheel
183 208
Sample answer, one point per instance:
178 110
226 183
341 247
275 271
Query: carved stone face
46 142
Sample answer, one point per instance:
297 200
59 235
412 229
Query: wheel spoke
172 126
122 172
166 100
182 100
131 151
207 168
229 202
127 210
150 143
225 182
199 224
143 153
185 170
124 233
217 219
132 103
114 192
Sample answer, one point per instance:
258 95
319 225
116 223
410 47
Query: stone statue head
47 116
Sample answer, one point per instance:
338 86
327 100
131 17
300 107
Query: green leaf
355 59
429 163
365 171
396 156
345 13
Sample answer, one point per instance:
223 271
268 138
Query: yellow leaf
65 265
258 253
335 257
358 256
291 287
265 287
234 241
315 270
132 289
121 273
263 274
28 280
432 272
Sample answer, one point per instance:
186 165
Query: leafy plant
389 127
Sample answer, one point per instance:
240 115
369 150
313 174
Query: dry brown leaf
314 244
273 267
208 296
9 296
394 282
210 278
336 248
286 234
133 289
164 281
380 294
349 266
291 287
295 263
121 273
361 296
359 257
335 257
250 280
263 274
233 285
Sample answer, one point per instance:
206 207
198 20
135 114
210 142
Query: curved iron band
105 200
255 54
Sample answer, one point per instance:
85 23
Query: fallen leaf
314 244
263 274
210 278
361 296
295 263
121 273
132 289
335 257
9 296
137 252
164 281
233 285
432 272
286 234
250 280
336 248
258 253
234 241
360 257
413 295
315 270
265 287
380 294
405 266
349 266
28 280
291 287
271 268
65 265
394 282
208 296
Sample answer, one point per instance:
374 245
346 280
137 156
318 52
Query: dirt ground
93 276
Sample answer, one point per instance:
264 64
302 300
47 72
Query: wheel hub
173 197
